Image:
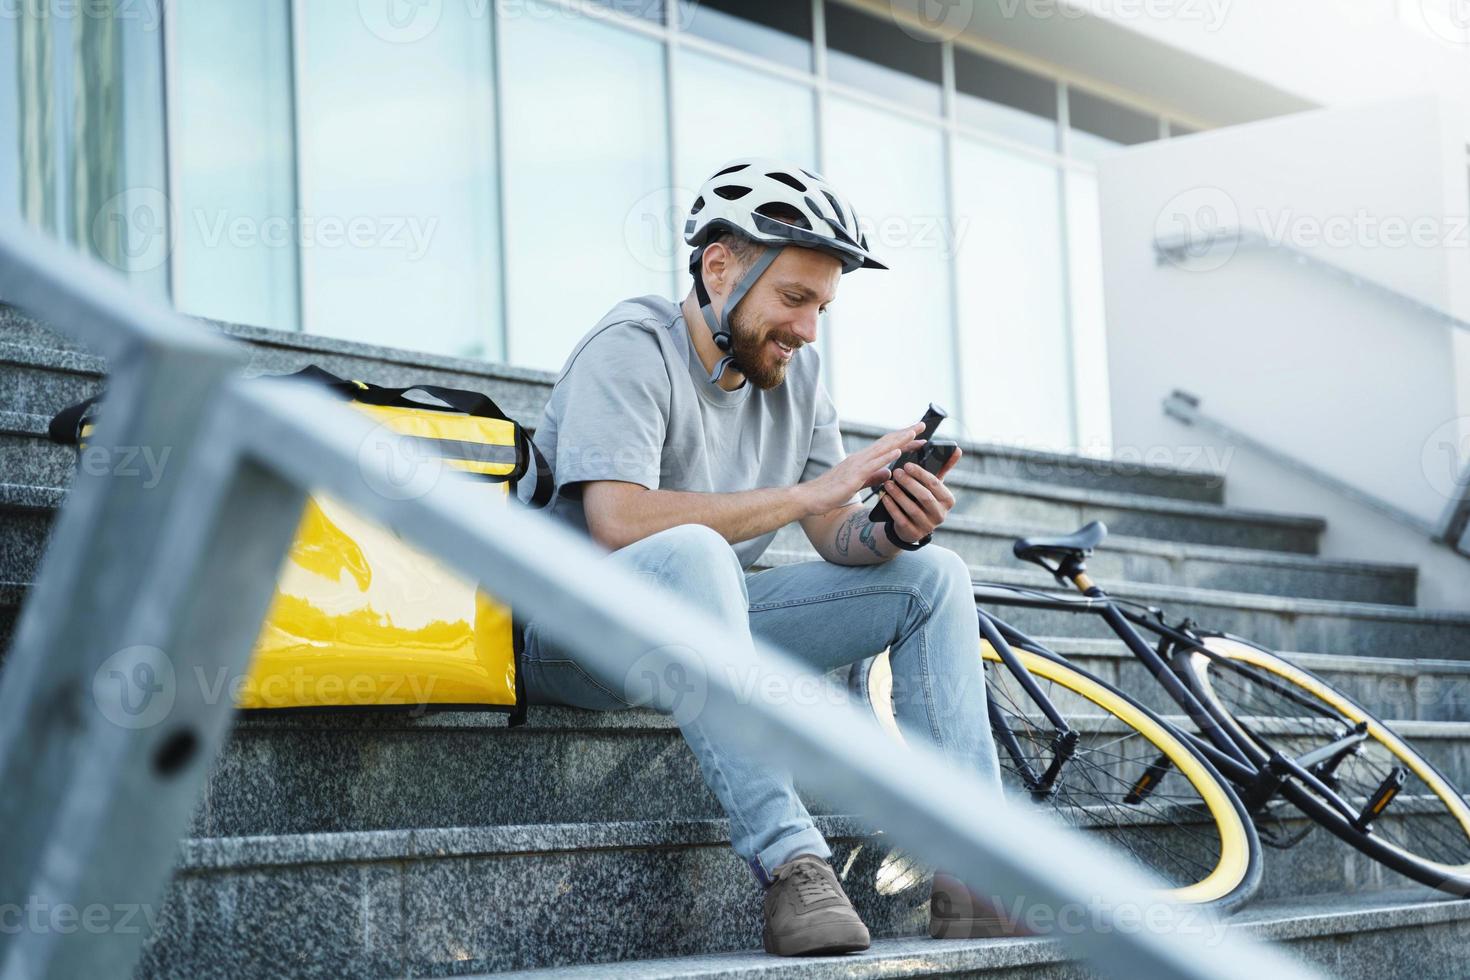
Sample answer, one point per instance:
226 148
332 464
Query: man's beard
750 349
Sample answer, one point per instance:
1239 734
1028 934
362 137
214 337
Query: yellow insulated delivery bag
360 618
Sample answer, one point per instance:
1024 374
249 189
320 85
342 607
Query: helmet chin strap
719 325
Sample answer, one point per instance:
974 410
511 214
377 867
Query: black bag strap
468 402
66 425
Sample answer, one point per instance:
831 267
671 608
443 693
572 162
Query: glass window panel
1099 125
586 154
879 58
780 30
9 121
1089 320
890 332
234 185
1005 100
1012 295
723 111
398 221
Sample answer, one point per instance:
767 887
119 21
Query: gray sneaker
808 913
955 912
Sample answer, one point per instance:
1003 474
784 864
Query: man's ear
719 267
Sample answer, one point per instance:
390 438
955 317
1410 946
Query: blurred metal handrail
179 574
1180 249
1185 408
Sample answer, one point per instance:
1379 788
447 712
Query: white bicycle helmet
743 196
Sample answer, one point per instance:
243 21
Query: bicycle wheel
1423 831
1134 780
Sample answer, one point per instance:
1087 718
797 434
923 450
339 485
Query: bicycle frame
1258 775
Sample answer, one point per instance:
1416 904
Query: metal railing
1453 527
180 573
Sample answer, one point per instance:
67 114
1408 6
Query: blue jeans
919 605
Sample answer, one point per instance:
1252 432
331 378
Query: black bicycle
1263 751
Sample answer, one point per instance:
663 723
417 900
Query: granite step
523 393
453 901
27 457
294 773
27 510
1353 937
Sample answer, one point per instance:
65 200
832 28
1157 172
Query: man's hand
866 468
917 500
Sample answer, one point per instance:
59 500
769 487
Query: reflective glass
1089 319
234 186
1012 298
889 334
1099 125
1005 100
9 122
398 222
874 55
722 111
780 30
586 162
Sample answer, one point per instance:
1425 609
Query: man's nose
805 327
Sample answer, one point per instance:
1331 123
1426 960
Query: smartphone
932 456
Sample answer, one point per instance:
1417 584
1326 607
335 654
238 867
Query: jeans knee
938 570
698 552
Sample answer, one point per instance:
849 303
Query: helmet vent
789 181
841 220
785 214
732 192
731 170
698 206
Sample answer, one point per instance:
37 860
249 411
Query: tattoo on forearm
866 531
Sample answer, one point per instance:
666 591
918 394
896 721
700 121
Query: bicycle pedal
1148 781
1381 798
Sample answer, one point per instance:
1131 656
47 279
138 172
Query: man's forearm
855 540
736 516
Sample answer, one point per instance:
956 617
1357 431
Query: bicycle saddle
1078 544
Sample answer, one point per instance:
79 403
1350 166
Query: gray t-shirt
633 403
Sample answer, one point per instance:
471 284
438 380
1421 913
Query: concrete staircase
447 844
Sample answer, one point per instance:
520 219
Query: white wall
1340 377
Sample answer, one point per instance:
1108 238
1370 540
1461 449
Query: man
683 437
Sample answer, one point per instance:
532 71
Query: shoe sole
823 940
974 927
